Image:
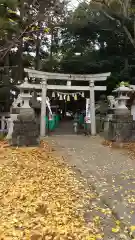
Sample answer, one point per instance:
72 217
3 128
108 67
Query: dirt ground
111 173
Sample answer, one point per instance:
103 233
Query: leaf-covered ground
130 146
40 197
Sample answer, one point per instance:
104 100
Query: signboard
48 105
88 118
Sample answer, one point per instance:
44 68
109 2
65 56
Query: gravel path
111 172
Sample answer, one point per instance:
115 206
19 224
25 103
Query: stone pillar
133 110
92 108
3 123
10 125
43 110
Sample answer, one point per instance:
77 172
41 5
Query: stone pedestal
121 128
26 129
25 133
10 124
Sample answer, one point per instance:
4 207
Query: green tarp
53 123
81 119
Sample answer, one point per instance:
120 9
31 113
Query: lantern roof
123 88
25 85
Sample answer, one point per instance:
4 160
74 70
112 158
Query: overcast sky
74 3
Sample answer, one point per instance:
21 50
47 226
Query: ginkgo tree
26 26
8 31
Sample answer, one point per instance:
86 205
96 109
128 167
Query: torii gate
46 76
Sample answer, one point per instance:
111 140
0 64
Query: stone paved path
111 172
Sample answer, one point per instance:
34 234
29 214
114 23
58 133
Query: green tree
121 12
100 49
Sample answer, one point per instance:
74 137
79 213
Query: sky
74 3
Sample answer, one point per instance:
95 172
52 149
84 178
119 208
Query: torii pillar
43 109
92 108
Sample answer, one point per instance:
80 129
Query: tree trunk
37 60
6 69
38 44
20 48
51 51
20 62
126 64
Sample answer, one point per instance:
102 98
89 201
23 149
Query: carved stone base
121 128
25 133
122 112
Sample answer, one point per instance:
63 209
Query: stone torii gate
46 76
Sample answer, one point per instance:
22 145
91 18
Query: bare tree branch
129 36
102 5
15 40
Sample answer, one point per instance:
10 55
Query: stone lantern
121 127
122 99
25 93
26 128
25 110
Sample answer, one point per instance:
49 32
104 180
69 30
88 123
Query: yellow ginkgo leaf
132 228
11 11
33 28
99 237
11 20
27 38
96 218
115 230
46 30
92 237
